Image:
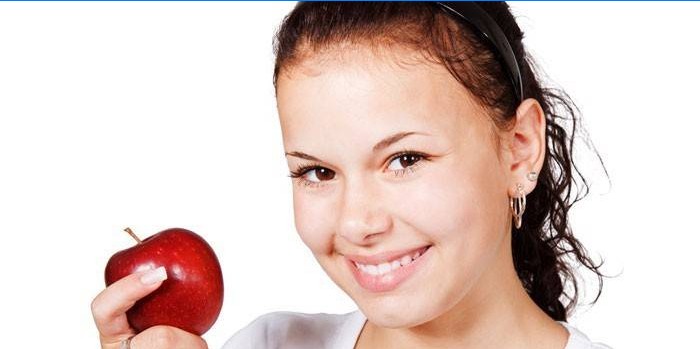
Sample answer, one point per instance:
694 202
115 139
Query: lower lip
389 281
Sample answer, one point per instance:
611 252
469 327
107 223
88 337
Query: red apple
190 298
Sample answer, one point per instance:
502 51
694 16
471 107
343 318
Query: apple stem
128 230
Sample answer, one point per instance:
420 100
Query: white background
154 115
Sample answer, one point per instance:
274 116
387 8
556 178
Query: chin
395 313
395 323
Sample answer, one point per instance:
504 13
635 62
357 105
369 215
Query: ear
527 145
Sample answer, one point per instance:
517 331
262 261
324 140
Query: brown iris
408 160
324 174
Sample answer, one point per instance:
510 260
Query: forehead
361 91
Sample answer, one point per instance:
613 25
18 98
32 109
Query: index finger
110 306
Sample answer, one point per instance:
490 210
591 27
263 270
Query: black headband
488 29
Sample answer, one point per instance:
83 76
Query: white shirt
291 330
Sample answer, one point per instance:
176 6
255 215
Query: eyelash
303 169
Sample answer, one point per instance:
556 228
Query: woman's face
360 197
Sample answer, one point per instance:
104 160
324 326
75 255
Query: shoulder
579 340
292 330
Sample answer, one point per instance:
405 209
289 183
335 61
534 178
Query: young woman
432 177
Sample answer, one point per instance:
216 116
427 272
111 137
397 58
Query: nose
362 216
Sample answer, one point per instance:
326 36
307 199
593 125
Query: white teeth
387 267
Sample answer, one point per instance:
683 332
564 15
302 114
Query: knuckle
97 309
94 305
163 336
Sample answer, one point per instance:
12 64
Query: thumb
110 306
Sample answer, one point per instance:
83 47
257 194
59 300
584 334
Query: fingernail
153 276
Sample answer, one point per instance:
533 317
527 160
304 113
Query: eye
320 174
312 174
406 161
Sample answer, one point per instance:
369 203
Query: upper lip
384 256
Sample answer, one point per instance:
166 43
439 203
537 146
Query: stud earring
532 176
517 206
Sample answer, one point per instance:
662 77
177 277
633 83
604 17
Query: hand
109 311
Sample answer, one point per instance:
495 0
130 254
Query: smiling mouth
391 272
391 265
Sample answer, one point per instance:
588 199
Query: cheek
454 204
462 212
313 221
440 207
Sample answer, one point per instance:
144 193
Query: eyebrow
384 143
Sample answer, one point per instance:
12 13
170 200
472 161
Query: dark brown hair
543 244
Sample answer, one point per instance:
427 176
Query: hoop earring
517 206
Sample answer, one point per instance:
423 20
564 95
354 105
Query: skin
455 198
336 107
109 312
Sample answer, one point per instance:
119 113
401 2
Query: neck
496 313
